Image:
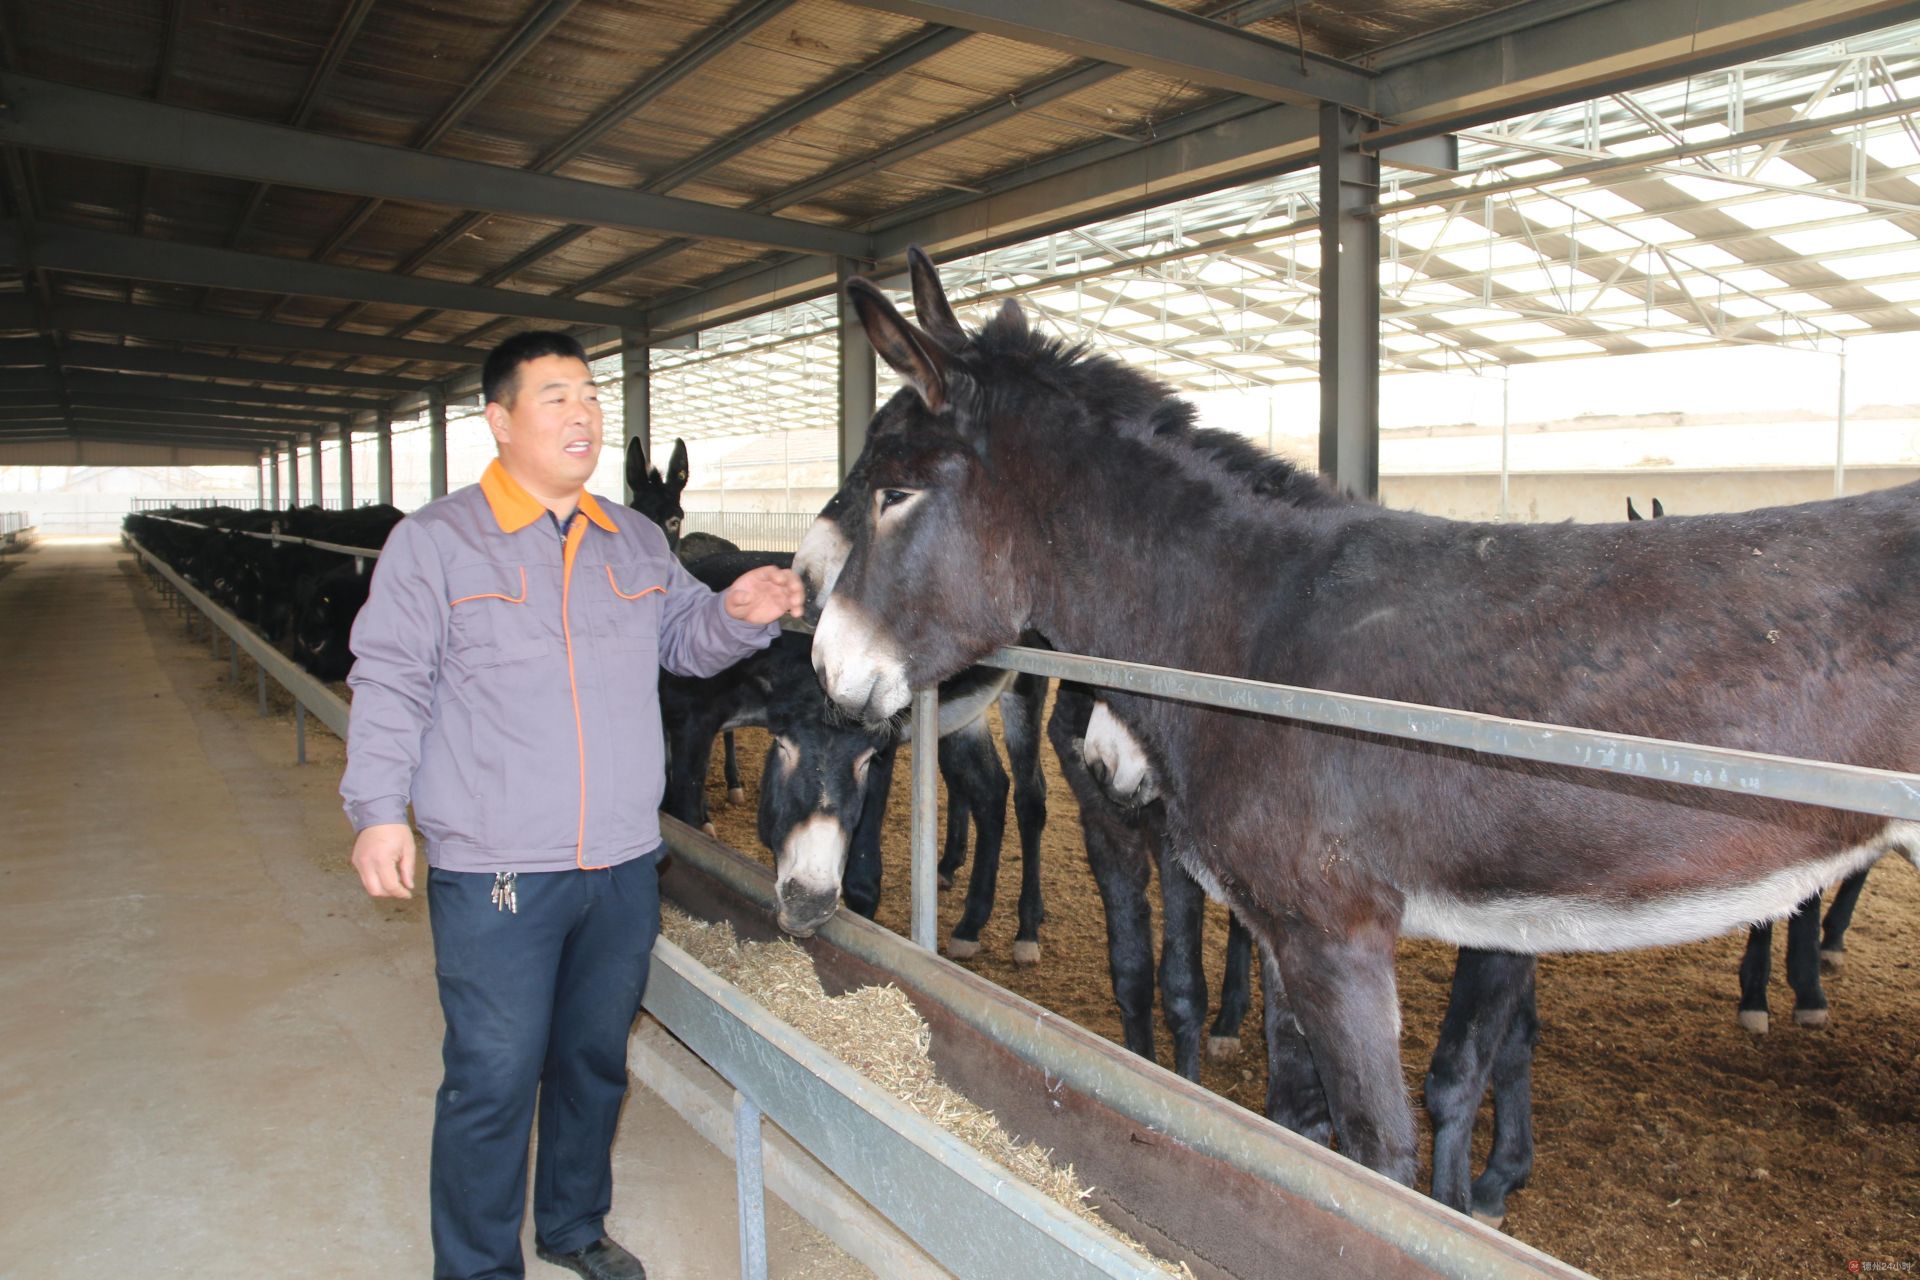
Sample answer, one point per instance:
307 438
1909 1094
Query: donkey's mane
1136 405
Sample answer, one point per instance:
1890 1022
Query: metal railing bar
368 553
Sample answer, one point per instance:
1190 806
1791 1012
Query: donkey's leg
1236 994
689 754
860 882
977 777
1295 1099
736 792
1340 985
1803 964
1183 979
1121 866
1833 935
1020 722
1755 969
1487 987
954 851
1511 1161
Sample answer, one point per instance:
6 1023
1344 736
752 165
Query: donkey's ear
930 305
1658 510
907 351
1633 512
677 471
636 465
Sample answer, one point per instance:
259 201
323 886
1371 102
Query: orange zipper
574 536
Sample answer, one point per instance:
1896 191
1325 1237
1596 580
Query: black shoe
601 1260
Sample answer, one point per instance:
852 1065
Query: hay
878 1032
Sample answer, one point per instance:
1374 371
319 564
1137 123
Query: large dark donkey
1018 485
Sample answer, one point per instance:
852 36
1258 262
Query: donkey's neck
1153 559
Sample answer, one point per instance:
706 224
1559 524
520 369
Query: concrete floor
217 1055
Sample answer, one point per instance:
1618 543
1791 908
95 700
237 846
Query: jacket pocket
626 604
494 618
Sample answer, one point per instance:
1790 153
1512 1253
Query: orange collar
514 508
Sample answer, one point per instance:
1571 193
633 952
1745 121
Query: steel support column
293 473
260 481
273 469
436 443
636 390
346 465
859 384
318 474
383 440
1349 305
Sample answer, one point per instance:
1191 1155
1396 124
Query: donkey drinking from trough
1812 946
1021 489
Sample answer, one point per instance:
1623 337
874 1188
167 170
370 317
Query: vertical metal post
299 732
293 473
1840 431
749 1170
383 466
260 482
636 393
859 384
319 476
1349 305
1506 383
346 465
273 469
436 442
924 879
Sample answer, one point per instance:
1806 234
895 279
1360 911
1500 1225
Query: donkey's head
911 556
654 496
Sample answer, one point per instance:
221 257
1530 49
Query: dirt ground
1670 1142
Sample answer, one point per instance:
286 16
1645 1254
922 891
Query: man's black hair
500 376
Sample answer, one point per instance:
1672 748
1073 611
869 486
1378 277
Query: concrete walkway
217 1055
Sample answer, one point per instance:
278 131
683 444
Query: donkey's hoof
708 828
946 881
736 795
1223 1048
1026 953
1490 1219
1811 1019
1754 1020
1832 961
963 948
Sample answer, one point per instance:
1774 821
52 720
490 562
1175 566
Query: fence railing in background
14 521
248 504
752 530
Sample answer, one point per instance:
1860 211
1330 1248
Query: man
505 682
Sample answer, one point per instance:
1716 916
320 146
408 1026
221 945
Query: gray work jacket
507 682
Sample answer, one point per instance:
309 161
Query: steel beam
162 388
104 253
383 438
636 385
170 407
38 352
241 331
436 443
1349 305
72 121
1158 38
346 466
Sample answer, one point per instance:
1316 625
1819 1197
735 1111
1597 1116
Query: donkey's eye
893 498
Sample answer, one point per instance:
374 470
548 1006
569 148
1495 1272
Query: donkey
1812 947
1016 485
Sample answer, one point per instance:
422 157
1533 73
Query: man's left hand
765 594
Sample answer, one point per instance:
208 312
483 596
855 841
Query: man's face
549 435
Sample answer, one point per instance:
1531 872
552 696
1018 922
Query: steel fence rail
358 553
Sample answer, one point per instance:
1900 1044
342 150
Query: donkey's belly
1575 922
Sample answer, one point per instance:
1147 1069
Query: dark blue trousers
538 1000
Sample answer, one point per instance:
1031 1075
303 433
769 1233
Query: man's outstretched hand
765 594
